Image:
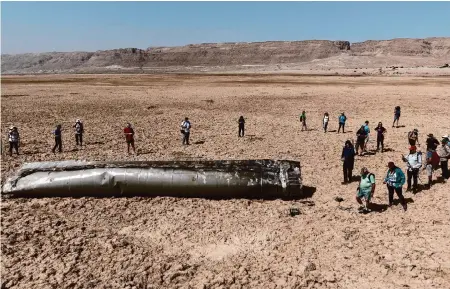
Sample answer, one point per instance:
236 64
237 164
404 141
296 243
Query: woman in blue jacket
395 179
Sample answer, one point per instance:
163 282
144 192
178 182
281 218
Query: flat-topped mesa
210 179
231 55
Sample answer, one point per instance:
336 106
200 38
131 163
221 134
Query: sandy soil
198 243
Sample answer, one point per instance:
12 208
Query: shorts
130 141
364 194
396 117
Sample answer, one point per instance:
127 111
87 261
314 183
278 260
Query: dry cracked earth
238 243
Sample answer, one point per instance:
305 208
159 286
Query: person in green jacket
303 120
395 179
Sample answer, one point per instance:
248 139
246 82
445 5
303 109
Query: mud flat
238 243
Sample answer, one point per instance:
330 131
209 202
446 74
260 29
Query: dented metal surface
223 178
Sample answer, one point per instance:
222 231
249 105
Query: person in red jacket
129 136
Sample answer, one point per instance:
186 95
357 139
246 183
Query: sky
91 26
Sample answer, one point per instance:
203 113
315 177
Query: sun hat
430 135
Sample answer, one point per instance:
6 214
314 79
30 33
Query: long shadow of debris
307 192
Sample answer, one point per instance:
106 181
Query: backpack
435 159
79 127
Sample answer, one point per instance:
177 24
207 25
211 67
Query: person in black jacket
348 158
58 139
380 136
241 126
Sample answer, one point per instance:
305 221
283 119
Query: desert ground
238 243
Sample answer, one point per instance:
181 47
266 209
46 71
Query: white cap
445 136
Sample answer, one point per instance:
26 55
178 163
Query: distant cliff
221 54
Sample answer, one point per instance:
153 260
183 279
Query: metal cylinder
211 179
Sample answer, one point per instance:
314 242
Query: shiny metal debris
211 179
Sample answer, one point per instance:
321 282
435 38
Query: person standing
443 152
361 135
129 137
348 159
432 142
241 122
14 140
396 115
432 163
186 130
58 139
342 120
79 130
303 120
394 180
414 163
367 129
380 136
413 137
366 189
326 118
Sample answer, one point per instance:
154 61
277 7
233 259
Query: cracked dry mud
240 243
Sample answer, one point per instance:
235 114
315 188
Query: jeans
186 137
347 172
398 191
412 174
15 146
380 141
241 130
58 144
79 139
444 168
343 127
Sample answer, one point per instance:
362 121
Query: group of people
326 118
438 154
14 138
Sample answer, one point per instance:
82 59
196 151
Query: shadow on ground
307 192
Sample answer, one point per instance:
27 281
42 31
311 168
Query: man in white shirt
186 130
414 163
